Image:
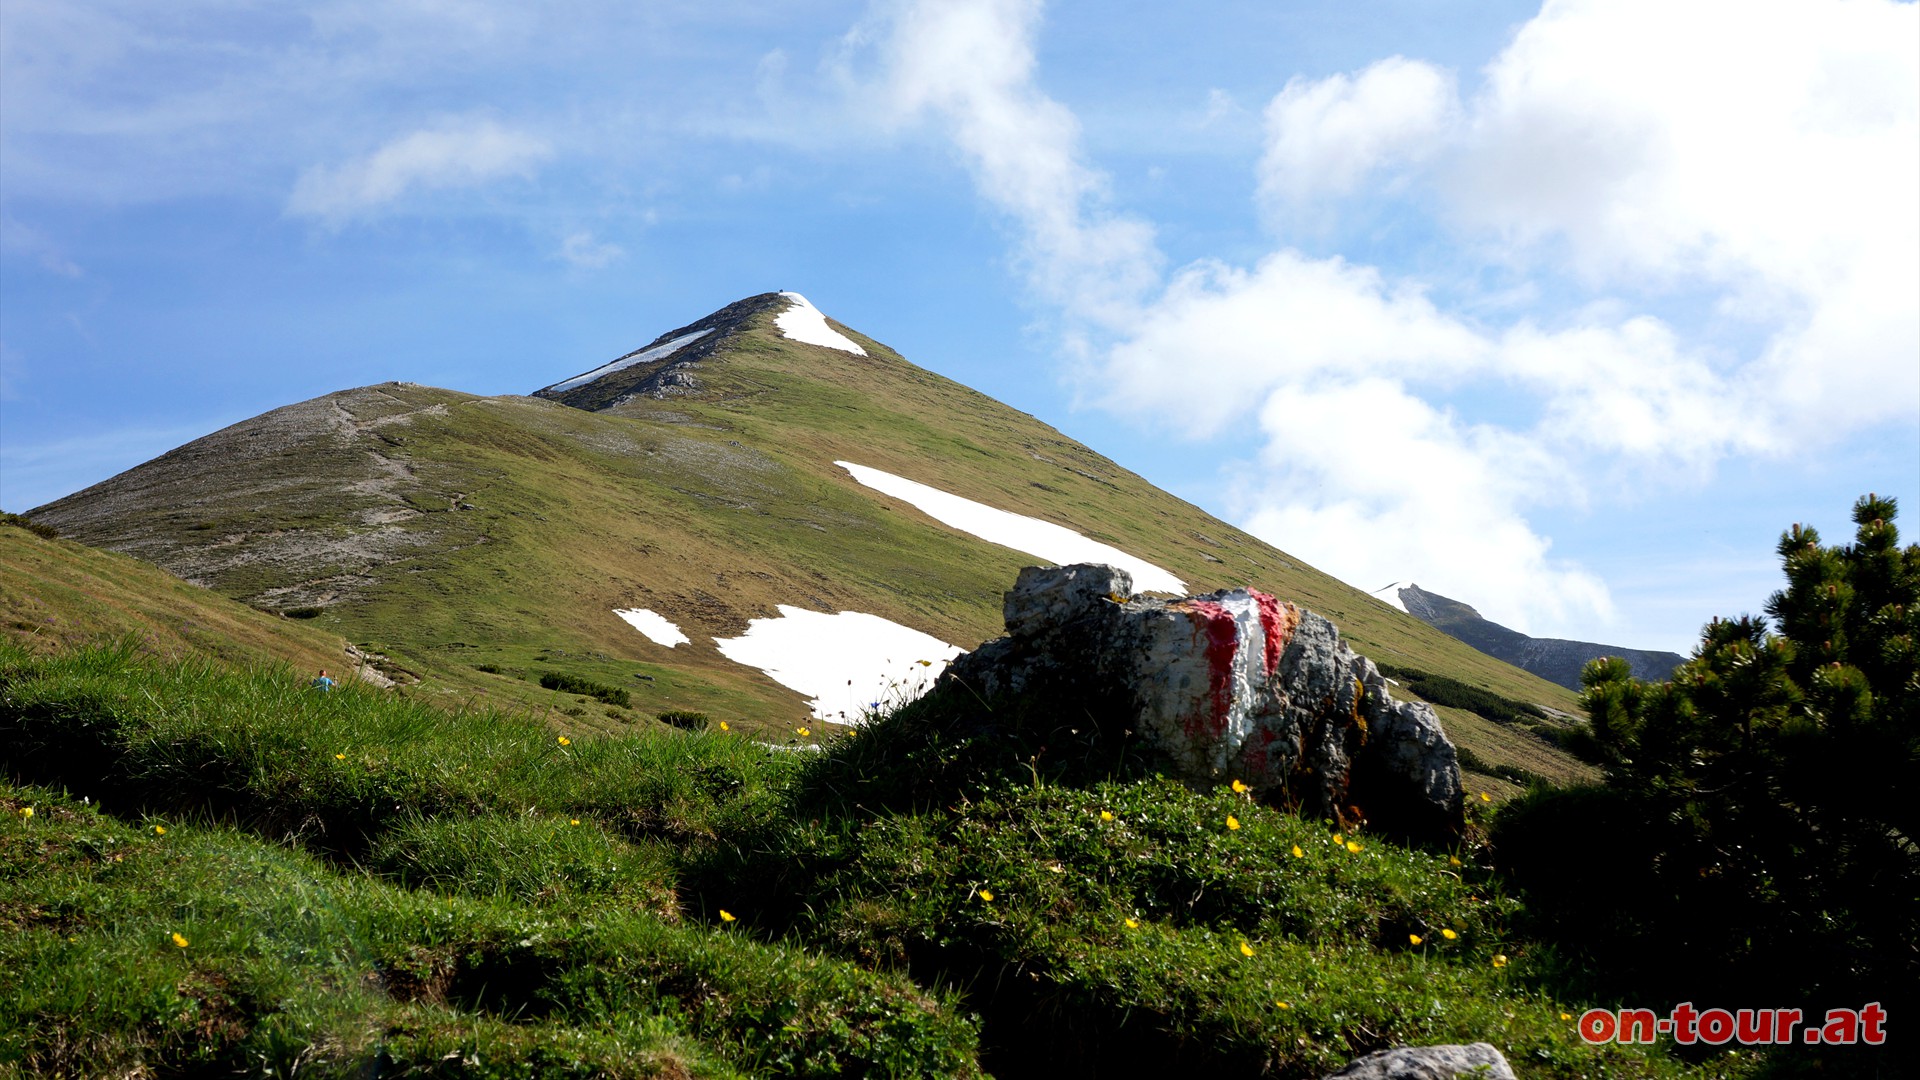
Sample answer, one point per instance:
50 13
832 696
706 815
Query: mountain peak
803 322
662 367
1390 594
666 366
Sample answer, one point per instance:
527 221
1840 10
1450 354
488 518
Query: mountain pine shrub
1756 841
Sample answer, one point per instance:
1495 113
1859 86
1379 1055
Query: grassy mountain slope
455 532
56 594
212 869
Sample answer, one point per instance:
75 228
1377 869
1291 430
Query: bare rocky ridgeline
335 471
1232 685
671 375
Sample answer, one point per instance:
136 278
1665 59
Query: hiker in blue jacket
323 682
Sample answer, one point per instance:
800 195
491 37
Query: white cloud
971 65
1324 137
1764 150
461 154
581 251
1757 155
1220 105
1366 481
22 239
1219 336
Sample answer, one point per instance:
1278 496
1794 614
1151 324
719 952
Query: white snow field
658 628
803 322
645 355
1041 539
847 664
1391 595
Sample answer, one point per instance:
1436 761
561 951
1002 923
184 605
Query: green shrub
574 684
21 521
1757 827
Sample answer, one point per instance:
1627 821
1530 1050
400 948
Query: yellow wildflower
573 821
1246 949
1566 1016
564 741
1283 1005
1449 935
1355 846
159 830
1500 960
1106 815
725 915
1133 924
1484 797
724 727
339 757
1297 853
1339 838
26 811
987 895
1232 822
179 939
1416 939
803 732
1240 788
1453 860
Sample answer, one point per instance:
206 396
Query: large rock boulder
1478 1060
1232 685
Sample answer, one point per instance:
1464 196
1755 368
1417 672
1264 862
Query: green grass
283 964
262 746
362 878
1167 939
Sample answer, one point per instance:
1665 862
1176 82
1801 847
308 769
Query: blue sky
1564 311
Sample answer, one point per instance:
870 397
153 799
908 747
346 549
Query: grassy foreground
209 868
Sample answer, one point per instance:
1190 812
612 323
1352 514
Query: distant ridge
1556 660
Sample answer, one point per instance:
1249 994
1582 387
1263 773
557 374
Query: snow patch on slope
658 628
849 665
628 361
1391 595
1041 539
803 322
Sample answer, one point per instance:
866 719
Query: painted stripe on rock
1242 637
1221 631
1278 621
